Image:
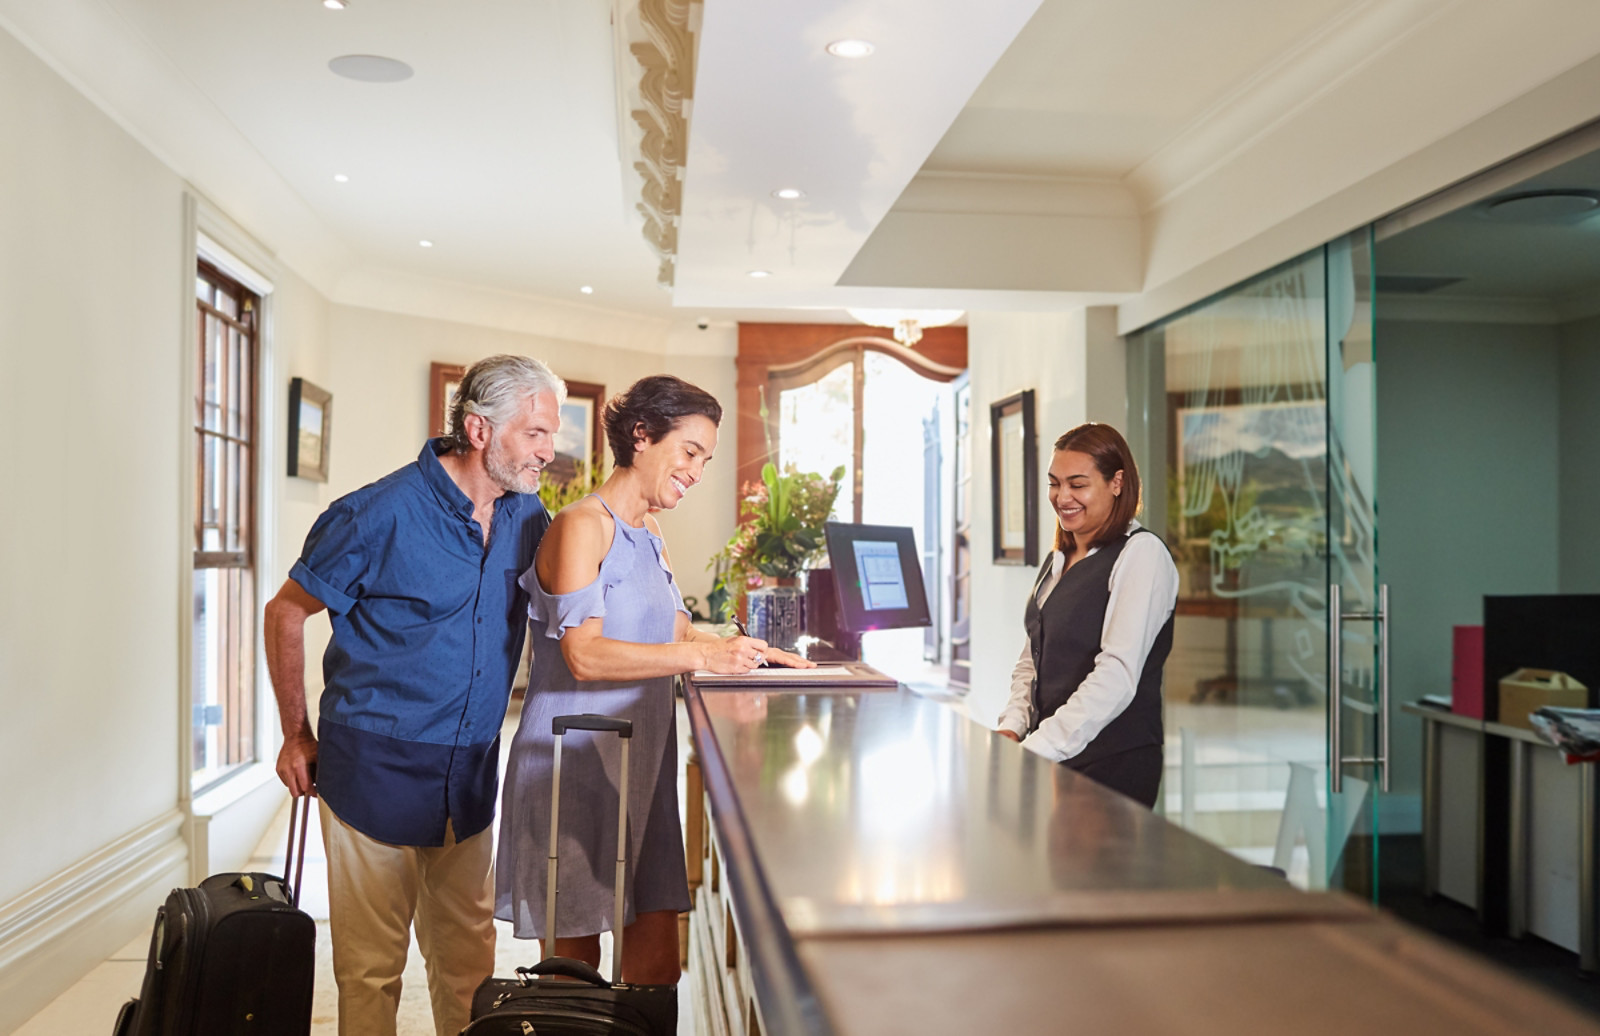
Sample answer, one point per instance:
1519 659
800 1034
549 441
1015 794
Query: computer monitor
877 576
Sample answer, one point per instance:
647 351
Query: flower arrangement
779 534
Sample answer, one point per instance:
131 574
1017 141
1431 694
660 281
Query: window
223 652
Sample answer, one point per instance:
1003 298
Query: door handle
1336 619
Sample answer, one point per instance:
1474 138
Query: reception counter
874 862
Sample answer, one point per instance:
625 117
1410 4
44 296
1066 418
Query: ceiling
926 166
1544 266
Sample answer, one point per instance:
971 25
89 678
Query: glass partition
1231 417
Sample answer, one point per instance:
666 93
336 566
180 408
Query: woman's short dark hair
654 405
1109 450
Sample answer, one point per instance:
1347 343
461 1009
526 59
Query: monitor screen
878 577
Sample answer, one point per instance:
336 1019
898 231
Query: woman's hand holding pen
744 653
735 655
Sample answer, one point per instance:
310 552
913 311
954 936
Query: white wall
1073 362
91 315
89 330
1580 457
1469 478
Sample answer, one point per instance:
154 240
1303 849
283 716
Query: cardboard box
1466 671
1529 689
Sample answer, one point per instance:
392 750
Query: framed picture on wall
310 419
580 439
443 380
1014 474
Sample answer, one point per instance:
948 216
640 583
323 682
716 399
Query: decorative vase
777 615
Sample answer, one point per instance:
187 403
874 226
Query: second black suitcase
564 997
235 955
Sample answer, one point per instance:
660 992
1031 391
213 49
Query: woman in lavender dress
609 632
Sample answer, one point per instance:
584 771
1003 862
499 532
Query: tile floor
91 1005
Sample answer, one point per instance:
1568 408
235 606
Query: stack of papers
1574 731
842 674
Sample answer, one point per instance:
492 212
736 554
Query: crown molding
655 52
1015 194
1279 92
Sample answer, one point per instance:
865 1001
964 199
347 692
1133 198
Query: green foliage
557 495
779 534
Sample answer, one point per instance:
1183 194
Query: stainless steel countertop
893 864
877 811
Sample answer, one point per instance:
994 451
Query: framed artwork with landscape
581 439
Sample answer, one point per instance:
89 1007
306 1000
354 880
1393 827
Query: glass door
1253 418
1357 605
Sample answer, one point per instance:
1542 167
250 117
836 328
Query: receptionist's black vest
1064 637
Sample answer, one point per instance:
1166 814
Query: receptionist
1086 691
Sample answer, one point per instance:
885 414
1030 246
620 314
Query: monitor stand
822 621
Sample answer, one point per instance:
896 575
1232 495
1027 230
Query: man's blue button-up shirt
428 624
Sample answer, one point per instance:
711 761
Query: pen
760 661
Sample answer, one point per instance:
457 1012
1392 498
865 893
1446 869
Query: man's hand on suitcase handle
297 764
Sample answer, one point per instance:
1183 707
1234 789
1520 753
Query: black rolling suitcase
236 955
541 999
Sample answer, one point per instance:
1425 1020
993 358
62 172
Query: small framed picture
1014 470
310 418
443 380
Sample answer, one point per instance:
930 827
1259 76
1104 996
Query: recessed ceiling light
340 178
850 48
335 5
760 273
370 68
788 193
1561 205
425 244
587 289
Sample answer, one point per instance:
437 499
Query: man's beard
503 473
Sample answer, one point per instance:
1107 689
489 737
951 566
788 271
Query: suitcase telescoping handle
624 730
294 856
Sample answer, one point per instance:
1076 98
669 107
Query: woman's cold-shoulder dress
638 600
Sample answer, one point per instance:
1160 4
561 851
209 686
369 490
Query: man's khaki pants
374 892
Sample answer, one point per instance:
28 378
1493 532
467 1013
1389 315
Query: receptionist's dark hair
653 406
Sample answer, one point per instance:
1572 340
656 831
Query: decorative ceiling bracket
655 52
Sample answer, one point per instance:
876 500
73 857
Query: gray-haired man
419 574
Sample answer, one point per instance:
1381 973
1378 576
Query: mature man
419 574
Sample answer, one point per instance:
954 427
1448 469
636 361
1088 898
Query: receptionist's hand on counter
1012 734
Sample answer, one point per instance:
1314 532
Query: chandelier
907 323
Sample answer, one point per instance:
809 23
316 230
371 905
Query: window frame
240 742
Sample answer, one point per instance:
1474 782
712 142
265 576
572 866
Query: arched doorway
885 412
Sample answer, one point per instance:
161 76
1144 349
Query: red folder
1466 672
